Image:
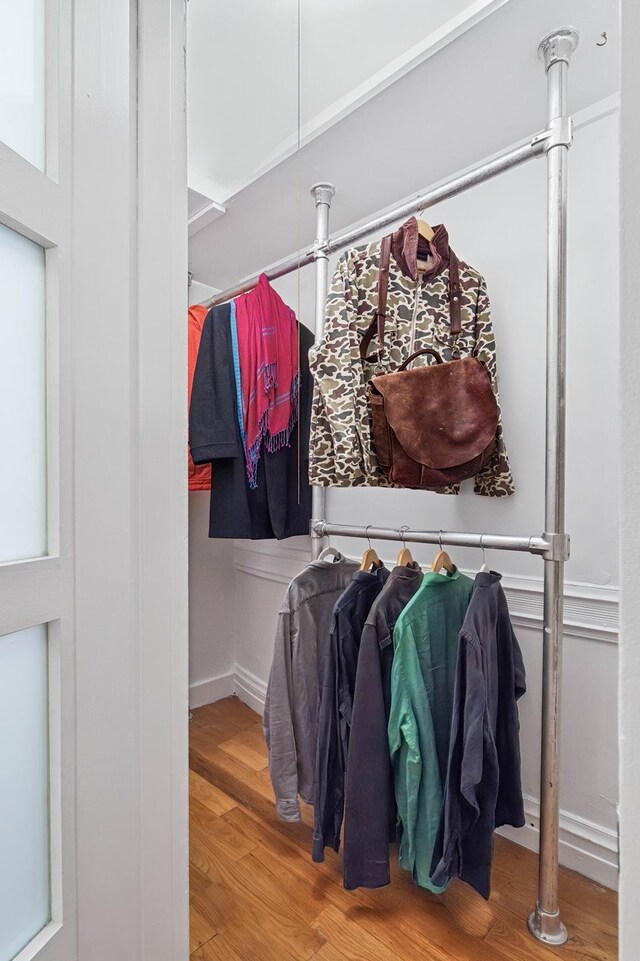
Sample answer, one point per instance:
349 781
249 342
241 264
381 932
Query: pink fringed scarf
268 349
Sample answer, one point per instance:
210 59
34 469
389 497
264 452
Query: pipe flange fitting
323 193
558 46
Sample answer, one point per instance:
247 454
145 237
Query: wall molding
585 846
590 612
250 689
213 689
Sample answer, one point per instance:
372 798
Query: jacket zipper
415 314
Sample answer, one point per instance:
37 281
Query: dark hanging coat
280 506
484 786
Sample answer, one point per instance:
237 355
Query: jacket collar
406 243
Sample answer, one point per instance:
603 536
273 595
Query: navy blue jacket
336 702
483 788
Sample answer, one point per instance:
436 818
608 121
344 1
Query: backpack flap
443 415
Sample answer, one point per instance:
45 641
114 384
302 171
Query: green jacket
425 642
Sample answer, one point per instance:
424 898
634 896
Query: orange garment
199 474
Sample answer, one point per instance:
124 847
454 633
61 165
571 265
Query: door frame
629 649
129 308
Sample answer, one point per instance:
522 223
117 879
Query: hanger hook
402 532
604 39
484 558
366 534
440 539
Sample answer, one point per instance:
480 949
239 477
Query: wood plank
390 911
233 710
249 748
214 837
207 739
253 926
347 940
217 949
516 941
202 922
208 794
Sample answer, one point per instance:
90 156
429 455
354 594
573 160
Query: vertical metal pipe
545 923
323 194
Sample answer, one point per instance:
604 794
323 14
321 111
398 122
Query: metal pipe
485 170
498 542
545 923
482 172
280 270
323 194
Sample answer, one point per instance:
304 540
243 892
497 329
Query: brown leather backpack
434 425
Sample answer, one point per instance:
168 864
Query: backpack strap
379 320
377 325
455 294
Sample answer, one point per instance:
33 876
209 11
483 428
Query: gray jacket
290 718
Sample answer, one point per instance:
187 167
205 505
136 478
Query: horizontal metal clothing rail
556 133
554 547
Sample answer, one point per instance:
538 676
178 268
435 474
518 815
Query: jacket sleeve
277 724
495 479
368 802
340 450
461 807
406 760
212 411
329 788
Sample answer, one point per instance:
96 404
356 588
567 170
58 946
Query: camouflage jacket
342 453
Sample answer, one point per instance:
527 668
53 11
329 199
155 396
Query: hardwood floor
255 893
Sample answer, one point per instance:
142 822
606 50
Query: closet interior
360 730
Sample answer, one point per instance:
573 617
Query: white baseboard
585 846
213 689
250 689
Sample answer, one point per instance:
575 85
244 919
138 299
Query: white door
93 636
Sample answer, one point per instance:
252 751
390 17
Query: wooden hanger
370 557
404 558
441 560
424 229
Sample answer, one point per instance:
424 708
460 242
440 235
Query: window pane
24 789
22 116
23 481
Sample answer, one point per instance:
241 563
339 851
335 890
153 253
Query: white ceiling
478 95
243 67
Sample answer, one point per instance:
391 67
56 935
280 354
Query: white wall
500 229
212 608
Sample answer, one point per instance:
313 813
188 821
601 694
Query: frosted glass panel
23 469
24 789
22 117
